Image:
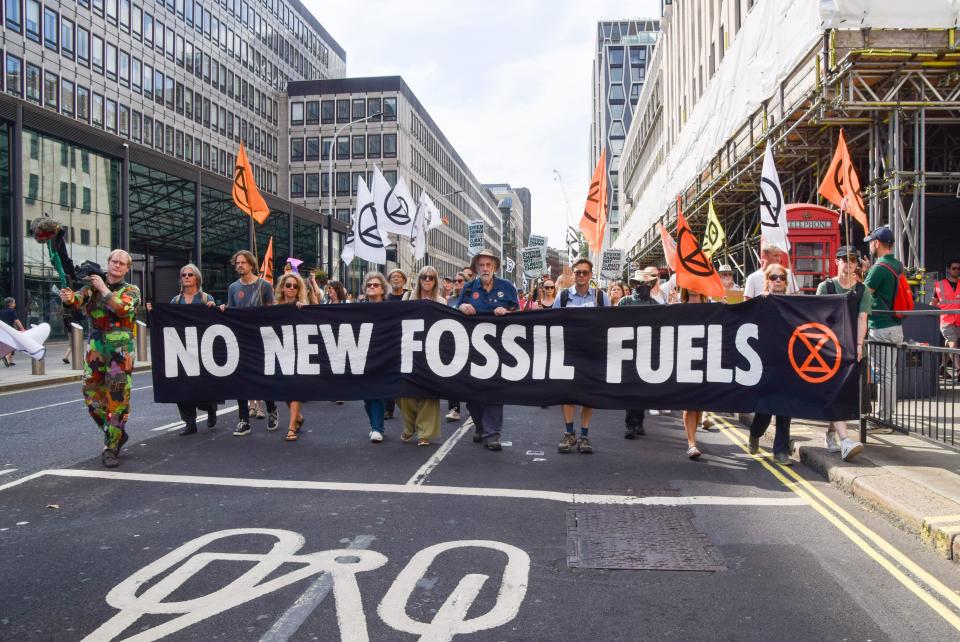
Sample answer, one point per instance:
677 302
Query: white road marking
411 489
6 471
421 475
179 424
59 403
294 617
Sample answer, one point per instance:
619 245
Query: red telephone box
814 234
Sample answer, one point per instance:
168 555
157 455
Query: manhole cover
655 538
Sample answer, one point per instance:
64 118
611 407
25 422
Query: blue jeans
781 440
375 409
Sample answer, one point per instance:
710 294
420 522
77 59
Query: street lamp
330 186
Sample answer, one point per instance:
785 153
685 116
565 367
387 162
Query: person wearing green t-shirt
881 282
848 258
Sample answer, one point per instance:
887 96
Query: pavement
20 377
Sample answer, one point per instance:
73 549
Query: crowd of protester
476 290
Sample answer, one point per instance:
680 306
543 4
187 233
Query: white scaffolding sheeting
776 35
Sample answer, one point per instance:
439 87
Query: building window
66 38
313 112
390 109
83 104
616 92
125 15
97 111
296 185
67 96
51 90
389 145
168 86
136 74
51 30
111 61
375 106
158 86
359 108
83 46
136 22
343 183
359 146
313 149
616 74
373 146
325 184
12 12
296 150
158 135
123 115
343 111
326 112
325 148
148 28
111 115
188 149
148 131
168 140
14 82
33 20
343 148
33 83
296 113
313 185
97 54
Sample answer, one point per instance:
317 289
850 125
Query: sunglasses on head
777 277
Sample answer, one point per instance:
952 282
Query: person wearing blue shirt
579 295
487 295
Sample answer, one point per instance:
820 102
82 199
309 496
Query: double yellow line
922 584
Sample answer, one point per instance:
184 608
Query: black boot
189 429
212 417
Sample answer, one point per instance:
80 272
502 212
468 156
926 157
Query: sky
507 81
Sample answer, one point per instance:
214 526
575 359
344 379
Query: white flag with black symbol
510 265
365 239
425 218
394 204
773 209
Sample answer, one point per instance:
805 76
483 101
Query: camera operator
111 304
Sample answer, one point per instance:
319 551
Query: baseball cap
882 234
848 250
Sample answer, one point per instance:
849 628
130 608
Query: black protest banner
792 356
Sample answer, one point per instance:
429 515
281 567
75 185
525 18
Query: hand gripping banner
785 355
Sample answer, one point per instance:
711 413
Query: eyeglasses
372 285
291 285
777 277
428 277
582 272
187 274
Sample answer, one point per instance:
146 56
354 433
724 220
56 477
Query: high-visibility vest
949 299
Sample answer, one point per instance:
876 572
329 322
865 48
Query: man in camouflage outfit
111 306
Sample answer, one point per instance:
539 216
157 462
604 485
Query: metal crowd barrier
911 388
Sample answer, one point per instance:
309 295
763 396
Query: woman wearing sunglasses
291 290
692 419
774 282
421 417
375 291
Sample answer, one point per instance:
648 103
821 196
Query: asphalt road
213 537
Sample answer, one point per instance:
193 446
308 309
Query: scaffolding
896 94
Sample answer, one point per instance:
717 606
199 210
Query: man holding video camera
111 305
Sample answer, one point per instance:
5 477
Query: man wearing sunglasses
580 295
946 296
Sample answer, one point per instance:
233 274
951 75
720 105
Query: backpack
902 296
565 298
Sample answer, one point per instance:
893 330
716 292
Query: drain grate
655 538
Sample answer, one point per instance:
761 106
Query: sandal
406 436
423 442
292 433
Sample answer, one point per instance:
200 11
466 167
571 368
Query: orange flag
842 187
266 270
669 247
245 192
694 268
594 221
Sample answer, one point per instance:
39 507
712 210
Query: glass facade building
121 120
623 49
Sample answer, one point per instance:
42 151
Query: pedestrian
692 419
615 292
317 288
770 254
726 277
946 296
543 296
421 417
111 305
398 284
486 295
848 259
191 293
458 282
642 283
446 289
335 293
776 278
468 273
9 316
292 290
884 327
580 295
248 291
375 286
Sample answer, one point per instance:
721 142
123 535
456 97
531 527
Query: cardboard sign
534 261
611 264
537 240
474 237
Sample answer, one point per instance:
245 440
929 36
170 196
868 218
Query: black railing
911 388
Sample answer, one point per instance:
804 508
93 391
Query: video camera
88 269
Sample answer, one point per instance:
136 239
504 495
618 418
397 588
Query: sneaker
109 458
583 446
693 452
260 414
783 459
754 445
830 442
850 449
494 445
243 428
654 413
375 437
453 415
273 420
630 433
706 424
567 442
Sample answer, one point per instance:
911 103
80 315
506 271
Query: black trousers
188 411
634 417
